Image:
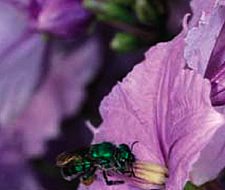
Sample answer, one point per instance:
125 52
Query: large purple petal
165 108
21 54
194 122
60 96
205 53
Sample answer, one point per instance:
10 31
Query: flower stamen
149 175
151 167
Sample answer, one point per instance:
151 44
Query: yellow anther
151 167
149 174
151 177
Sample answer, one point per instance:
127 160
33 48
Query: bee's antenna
131 148
131 163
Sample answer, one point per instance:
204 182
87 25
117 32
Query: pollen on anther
148 175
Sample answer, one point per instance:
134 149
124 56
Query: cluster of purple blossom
172 102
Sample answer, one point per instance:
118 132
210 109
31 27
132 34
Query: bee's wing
65 158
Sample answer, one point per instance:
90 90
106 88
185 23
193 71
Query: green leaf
110 11
190 186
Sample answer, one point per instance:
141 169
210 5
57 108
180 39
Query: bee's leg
111 182
89 177
132 171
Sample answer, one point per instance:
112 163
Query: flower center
149 175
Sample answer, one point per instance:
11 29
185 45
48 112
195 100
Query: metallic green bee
106 157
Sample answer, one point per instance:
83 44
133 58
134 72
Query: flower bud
109 11
190 186
125 42
149 11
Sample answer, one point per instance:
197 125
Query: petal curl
204 33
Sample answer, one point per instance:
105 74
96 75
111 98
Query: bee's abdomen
75 170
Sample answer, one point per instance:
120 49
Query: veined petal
193 124
205 53
136 98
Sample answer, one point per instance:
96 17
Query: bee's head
124 155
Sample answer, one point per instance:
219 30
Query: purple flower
166 107
41 82
59 96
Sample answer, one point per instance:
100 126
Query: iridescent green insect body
106 157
